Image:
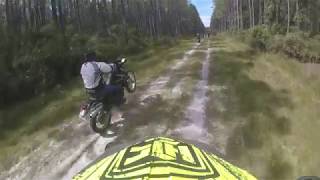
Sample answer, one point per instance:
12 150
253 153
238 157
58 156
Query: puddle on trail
195 114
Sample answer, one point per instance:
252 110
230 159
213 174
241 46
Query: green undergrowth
298 45
269 110
151 63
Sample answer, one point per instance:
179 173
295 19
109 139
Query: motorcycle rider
92 76
198 37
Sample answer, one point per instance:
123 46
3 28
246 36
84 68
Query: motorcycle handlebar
120 61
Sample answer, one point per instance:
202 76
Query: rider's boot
121 98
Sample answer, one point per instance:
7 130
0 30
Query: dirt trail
178 111
158 86
195 112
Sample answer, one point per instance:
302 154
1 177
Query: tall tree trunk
297 15
42 7
250 13
253 13
124 21
61 15
265 13
78 15
8 15
288 26
25 18
54 11
37 15
260 12
241 15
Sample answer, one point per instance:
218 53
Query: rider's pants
113 91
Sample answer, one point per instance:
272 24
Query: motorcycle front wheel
131 83
101 122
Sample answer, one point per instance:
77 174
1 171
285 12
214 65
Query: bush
242 36
278 29
166 40
317 37
37 62
291 44
294 42
259 38
298 46
109 51
134 47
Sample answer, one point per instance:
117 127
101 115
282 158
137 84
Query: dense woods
42 41
279 15
288 26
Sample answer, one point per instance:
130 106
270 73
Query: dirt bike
98 111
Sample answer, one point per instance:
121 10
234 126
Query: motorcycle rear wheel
131 83
101 122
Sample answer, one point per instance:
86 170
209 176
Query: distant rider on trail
198 37
92 75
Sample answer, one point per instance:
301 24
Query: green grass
270 110
25 126
157 60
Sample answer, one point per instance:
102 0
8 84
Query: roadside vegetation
291 27
298 45
265 79
264 110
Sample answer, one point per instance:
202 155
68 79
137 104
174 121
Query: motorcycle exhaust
87 112
95 110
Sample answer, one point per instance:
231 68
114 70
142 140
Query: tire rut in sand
194 126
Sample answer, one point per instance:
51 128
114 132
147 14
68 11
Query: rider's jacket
91 73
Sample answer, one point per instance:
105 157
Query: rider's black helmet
91 56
